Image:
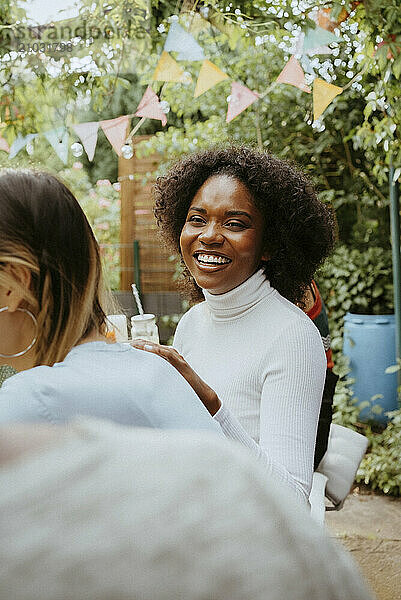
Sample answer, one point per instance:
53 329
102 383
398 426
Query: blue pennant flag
179 40
58 139
314 38
19 143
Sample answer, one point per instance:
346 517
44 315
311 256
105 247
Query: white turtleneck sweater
265 360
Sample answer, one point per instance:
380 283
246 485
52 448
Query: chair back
336 472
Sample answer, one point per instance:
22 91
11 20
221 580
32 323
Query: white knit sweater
265 360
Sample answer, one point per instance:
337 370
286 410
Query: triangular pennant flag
58 139
323 94
241 97
209 75
19 143
167 69
317 37
116 131
299 47
149 107
87 133
294 75
4 145
179 40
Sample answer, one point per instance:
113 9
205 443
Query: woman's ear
19 278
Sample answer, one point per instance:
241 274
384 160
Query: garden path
369 526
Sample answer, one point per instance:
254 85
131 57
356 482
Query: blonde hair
43 228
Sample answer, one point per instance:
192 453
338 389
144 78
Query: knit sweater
265 360
107 381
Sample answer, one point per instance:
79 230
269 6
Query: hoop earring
35 322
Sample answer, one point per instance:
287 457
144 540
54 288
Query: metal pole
137 266
395 244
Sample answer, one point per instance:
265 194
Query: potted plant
359 297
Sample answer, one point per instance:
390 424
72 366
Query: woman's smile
207 259
221 241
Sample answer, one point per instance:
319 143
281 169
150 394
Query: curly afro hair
299 230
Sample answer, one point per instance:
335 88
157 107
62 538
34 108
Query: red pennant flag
241 97
87 133
116 131
149 107
294 75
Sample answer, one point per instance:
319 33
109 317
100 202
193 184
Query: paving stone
369 527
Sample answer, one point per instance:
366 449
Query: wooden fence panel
138 223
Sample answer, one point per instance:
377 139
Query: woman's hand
201 389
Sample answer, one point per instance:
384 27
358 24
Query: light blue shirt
108 381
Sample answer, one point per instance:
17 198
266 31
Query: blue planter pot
369 343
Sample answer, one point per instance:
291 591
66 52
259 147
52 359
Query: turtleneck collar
236 302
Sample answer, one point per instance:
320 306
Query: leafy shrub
101 204
345 410
381 466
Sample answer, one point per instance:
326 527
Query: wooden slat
138 223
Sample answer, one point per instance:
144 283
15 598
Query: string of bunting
167 70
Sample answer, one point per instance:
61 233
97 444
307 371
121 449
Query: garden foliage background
347 151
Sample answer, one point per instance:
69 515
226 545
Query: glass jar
145 328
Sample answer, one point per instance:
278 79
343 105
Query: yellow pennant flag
323 94
167 69
209 75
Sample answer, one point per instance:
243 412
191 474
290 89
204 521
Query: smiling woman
250 231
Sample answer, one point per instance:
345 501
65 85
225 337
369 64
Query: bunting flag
149 107
19 143
294 75
315 38
323 94
241 97
87 133
58 139
179 40
4 145
209 76
167 69
299 47
116 131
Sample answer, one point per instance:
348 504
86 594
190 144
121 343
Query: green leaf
397 66
392 369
